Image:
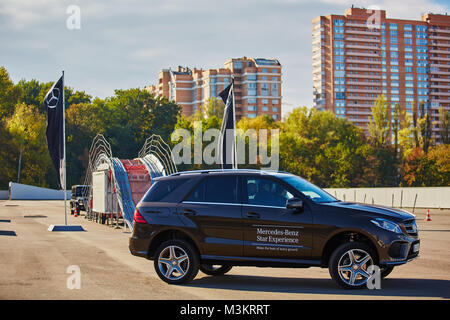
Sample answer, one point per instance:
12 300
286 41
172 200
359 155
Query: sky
123 44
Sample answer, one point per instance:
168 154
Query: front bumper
402 252
398 249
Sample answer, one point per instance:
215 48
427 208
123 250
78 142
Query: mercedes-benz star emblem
53 98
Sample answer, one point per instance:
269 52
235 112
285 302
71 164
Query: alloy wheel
353 265
173 262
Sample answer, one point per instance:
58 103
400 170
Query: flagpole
235 166
62 166
64 144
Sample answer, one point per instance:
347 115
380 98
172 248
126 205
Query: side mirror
294 203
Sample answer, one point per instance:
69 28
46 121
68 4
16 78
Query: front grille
411 227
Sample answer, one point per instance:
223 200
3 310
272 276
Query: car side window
161 189
218 189
266 192
198 194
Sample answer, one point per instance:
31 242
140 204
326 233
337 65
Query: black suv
213 220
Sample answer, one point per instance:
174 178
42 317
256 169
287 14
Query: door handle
253 215
189 212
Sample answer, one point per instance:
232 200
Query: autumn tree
379 125
27 128
213 107
444 125
326 150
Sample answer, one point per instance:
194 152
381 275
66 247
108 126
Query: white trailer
104 198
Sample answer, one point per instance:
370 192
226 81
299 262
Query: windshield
80 191
308 189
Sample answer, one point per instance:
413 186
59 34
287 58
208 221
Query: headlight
387 225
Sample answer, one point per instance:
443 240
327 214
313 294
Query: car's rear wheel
215 270
176 261
349 265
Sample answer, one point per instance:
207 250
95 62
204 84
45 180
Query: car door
272 231
214 210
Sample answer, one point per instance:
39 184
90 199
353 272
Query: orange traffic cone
76 212
428 215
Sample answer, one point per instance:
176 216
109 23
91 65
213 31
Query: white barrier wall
25 192
427 197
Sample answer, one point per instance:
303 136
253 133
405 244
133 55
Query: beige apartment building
363 54
257 86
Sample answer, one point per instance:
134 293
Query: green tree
425 127
405 134
326 150
27 128
8 157
379 125
396 128
444 125
213 107
8 94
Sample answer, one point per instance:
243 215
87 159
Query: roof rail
215 170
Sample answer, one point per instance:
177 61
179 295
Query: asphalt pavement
96 264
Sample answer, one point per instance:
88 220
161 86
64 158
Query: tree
83 122
326 150
440 157
416 127
425 127
8 94
396 128
125 119
379 125
256 151
382 156
444 125
132 115
213 107
27 128
8 157
29 92
406 134
426 170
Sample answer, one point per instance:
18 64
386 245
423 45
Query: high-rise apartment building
257 86
362 54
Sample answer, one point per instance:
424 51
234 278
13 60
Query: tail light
138 218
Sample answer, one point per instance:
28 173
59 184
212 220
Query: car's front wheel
349 265
176 261
215 270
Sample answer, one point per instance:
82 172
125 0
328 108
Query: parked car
79 198
214 220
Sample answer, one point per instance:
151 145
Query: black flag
54 103
227 141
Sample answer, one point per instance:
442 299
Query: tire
385 271
176 261
348 265
211 270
